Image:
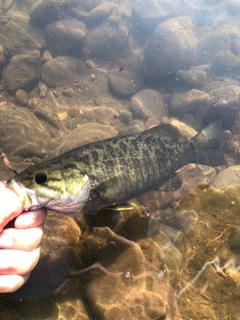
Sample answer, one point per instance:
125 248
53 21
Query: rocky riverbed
73 72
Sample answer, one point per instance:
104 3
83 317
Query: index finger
10 205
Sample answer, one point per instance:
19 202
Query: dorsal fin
169 131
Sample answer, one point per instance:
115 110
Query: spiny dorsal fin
169 131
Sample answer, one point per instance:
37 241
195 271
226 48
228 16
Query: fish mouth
66 203
25 198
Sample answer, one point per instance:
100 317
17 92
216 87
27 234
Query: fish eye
40 178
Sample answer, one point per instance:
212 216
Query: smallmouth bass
115 170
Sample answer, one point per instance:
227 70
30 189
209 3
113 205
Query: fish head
59 190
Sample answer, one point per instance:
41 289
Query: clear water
107 68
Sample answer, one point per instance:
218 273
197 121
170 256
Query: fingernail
6 241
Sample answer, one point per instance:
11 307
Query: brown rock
22 97
62 71
190 101
194 77
68 92
123 280
65 37
148 103
23 72
28 137
17 37
226 97
123 83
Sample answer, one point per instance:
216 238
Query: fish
113 171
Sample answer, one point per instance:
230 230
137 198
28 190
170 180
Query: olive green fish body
115 170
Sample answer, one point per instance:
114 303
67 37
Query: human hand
19 246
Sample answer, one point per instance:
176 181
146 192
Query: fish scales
115 170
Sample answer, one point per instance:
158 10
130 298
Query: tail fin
208 145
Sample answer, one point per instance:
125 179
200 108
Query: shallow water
74 72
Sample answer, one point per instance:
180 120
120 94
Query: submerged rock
22 97
123 271
97 15
107 42
82 135
227 97
190 101
124 83
147 14
210 45
47 11
170 48
22 133
148 103
23 72
211 247
62 71
227 178
195 77
17 37
65 37
226 63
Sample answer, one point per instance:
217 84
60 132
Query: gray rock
147 14
148 103
226 97
98 14
124 83
225 63
209 46
107 42
190 101
65 37
62 71
47 11
22 134
86 5
18 37
150 10
170 48
194 77
23 72
227 177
